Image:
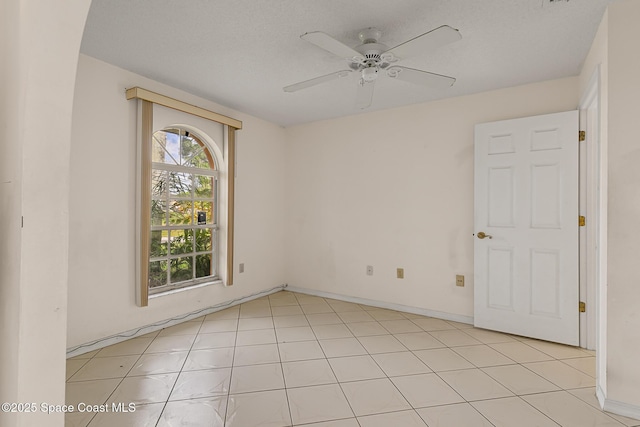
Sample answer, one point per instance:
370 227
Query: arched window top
177 147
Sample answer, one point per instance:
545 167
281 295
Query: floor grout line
313 309
164 406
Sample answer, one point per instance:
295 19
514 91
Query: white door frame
593 238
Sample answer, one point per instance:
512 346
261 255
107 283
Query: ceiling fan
371 59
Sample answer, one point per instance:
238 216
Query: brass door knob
482 235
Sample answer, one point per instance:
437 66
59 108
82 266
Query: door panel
500 278
545 283
501 197
545 196
526 201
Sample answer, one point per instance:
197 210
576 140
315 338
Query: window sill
186 288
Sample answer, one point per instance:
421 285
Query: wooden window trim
156 98
145 202
231 171
147 99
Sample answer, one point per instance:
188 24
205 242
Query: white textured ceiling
240 53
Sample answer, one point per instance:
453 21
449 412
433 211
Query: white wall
394 189
39 51
623 321
615 52
102 208
10 205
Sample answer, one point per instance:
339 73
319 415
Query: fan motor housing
372 56
370 48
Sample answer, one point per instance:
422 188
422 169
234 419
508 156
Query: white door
526 202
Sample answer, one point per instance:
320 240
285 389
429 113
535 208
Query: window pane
189 149
181 269
158 184
181 241
204 240
207 208
158 244
203 265
158 212
203 186
180 184
199 160
180 212
164 148
157 273
172 147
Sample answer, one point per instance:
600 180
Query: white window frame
213 172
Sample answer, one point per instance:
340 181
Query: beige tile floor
293 359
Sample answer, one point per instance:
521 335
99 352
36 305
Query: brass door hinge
582 307
582 221
582 136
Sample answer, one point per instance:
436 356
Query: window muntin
184 219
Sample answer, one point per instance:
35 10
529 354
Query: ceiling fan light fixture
369 74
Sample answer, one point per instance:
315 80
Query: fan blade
331 45
364 95
426 42
316 81
420 77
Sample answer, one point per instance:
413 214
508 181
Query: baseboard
622 408
600 395
133 333
616 407
382 304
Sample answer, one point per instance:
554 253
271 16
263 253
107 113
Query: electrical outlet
459 280
241 267
369 270
400 273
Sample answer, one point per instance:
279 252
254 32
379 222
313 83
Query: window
184 214
186 184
